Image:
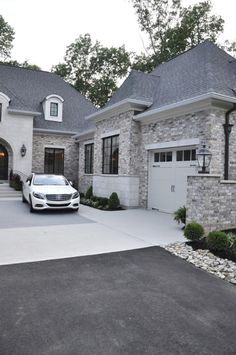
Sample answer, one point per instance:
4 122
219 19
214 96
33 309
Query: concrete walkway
26 237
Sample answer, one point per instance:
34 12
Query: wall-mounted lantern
204 158
23 150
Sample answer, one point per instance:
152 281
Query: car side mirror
71 183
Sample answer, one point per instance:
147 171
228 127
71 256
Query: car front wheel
32 210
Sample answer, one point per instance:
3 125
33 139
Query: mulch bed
201 244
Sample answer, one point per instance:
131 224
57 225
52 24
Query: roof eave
52 131
197 102
119 107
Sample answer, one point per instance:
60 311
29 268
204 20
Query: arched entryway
3 163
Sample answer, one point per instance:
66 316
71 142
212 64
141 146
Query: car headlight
39 195
75 195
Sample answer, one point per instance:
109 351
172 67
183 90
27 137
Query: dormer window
53 108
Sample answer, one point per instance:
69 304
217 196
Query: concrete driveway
137 302
48 235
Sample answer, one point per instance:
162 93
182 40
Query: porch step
7 191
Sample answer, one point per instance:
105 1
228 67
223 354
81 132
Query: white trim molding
173 144
51 131
88 142
54 96
14 111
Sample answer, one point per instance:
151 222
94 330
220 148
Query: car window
50 180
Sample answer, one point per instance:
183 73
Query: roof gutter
85 134
209 96
52 131
23 112
227 129
119 107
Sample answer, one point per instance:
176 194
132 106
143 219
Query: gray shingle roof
200 70
138 85
27 88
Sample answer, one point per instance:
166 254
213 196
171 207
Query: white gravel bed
204 259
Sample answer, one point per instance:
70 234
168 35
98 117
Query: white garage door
168 173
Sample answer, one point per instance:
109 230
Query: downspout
227 130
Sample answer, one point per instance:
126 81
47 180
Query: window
110 155
88 158
54 161
54 109
186 155
162 157
0 112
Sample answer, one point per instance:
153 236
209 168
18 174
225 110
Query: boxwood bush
218 241
194 231
113 201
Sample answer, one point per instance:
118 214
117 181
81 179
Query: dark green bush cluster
194 231
220 241
104 203
180 215
15 182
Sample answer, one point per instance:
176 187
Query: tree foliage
24 64
94 70
172 29
6 37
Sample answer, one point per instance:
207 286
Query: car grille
60 205
58 197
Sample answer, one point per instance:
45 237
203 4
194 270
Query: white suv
44 191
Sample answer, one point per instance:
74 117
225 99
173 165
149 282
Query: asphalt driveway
145 301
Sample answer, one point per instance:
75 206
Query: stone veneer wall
211 202
85 180
42 141
126 183
205 125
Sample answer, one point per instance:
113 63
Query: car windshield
50 180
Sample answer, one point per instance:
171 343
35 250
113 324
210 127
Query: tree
94 70
172 29
6 37
25 64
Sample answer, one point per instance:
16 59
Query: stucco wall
211 202
71 153
16 130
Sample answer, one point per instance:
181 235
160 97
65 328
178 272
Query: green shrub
94 198
89 193
180 215
103 201
113 201
81 195
234 244
218 241
16 182
194 231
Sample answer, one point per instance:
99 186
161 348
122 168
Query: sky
44 28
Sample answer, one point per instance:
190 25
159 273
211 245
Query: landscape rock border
223 268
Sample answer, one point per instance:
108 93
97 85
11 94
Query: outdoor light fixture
23 150
204 158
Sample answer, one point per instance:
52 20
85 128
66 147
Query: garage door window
162 157
186 155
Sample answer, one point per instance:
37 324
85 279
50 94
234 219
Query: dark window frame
53 169
53 111
0 112
88 158
110 155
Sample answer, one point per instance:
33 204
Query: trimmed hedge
194 231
